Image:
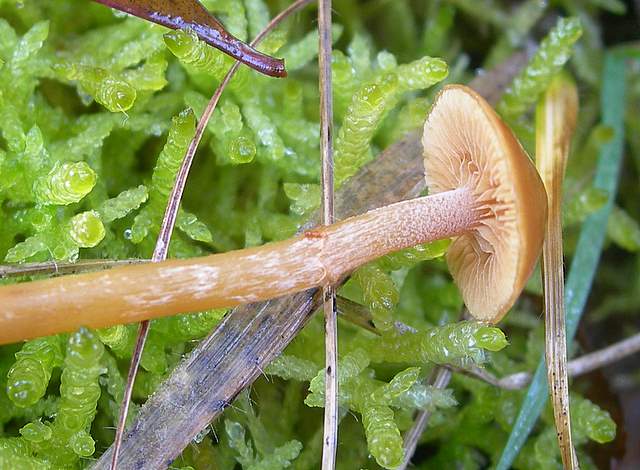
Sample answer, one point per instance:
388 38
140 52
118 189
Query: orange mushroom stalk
486 193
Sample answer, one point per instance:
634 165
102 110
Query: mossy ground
96 111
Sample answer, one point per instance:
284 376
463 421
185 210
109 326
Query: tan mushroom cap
466 144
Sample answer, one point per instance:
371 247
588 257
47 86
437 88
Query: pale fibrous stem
330 428
319 257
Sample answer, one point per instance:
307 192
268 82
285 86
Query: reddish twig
190 14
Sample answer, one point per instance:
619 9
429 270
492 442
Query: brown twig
330 436
171 213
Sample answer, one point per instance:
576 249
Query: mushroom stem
316 258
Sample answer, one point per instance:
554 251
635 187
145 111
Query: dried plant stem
330 436
576 367
555 122
604 357
171 211
319 257
57 269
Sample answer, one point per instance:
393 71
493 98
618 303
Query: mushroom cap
466 144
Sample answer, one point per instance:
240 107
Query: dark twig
439 379
171 213
330 437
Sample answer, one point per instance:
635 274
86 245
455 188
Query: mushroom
485 192
467 145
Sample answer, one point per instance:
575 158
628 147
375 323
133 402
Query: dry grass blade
330 437
555 123
171 213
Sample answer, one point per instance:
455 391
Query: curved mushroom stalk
486 193
316 258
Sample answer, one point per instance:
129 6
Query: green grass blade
588 250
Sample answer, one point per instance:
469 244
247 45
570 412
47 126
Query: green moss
95 117
28 378
553 53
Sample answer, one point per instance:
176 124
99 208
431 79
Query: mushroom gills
466 144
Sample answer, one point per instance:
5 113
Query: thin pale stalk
575 368
319 257
55 268
330 437
605 356
171 213
555 123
